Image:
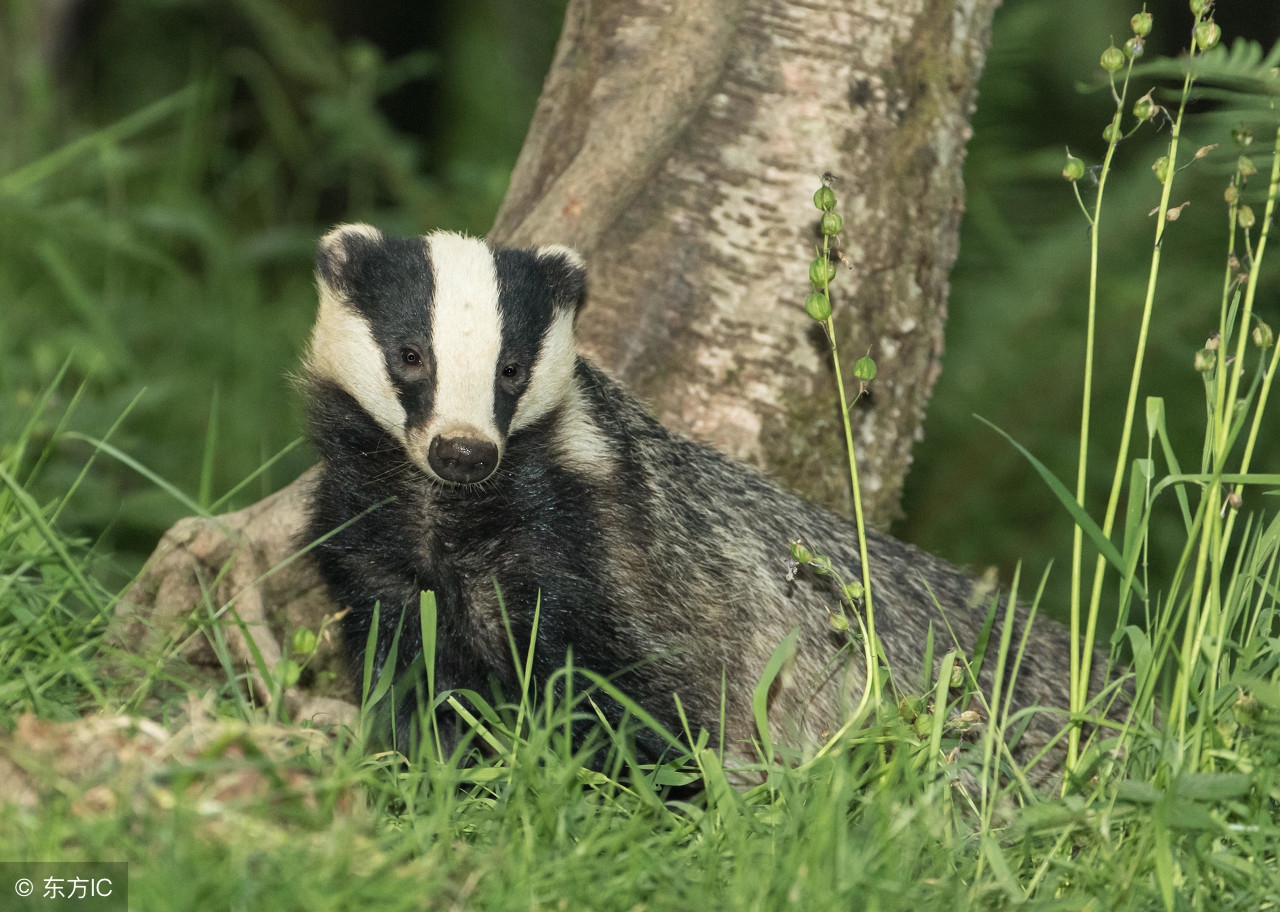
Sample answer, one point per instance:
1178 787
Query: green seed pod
957 676
1244 217
289 672
922 726
1144 108
1205 360
838 622
1141 24
1073 170
1112 59
864 369
825 198
1231 194
1134 47
304 641
1262 336
1246 710
1198 7
854 591
799 553
1207 35
1161 168
817 306
831 223
910 708
1111 132
821 271
1245 166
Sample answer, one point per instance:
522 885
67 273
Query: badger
468 450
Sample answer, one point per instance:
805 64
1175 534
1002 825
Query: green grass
224 808
107 233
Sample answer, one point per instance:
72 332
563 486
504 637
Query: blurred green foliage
167 165
1016 323
166 168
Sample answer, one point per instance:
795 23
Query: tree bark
677 144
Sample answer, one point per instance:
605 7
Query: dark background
158 245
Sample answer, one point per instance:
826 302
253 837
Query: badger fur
468 450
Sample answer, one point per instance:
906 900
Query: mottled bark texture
677 144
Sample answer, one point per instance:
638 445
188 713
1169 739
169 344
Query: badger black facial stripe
466 333
537 329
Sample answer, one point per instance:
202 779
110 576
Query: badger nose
464 460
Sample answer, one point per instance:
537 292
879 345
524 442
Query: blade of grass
1082 519
40 170
207 461
760 696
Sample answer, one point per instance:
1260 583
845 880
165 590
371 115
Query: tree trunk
677 144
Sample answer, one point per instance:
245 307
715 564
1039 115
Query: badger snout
462 459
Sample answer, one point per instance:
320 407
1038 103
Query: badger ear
566 272
340 247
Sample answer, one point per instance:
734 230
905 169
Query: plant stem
1081 685
1079 693
1273 190
873 669
1206 605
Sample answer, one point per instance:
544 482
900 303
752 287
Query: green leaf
1140 644
1213 786
1082 519
1155 412
42 169
387 673
760 698
940 707
1135 512
119 455
370 650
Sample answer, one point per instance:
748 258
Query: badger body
468 450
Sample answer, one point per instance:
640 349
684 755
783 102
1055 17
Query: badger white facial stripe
466 332
552 377
343 350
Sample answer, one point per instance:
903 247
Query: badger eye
410 357
513 376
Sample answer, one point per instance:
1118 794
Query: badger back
443 343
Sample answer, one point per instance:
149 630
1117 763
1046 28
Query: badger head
447 343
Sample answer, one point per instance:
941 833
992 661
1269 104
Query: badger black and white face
448 344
